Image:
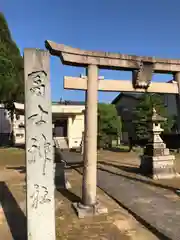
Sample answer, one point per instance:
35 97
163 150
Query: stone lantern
157 162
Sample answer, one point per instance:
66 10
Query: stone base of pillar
87 211
158 167
60 178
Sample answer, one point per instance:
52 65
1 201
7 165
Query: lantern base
158 167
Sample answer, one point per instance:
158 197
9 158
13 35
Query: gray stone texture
75 56
39 146
89 211
90 139
157 162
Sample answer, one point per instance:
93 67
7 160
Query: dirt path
153 202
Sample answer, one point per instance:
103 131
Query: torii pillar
177 79
90 138
89 205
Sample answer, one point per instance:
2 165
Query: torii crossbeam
79 83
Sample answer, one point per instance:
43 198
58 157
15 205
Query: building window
60 128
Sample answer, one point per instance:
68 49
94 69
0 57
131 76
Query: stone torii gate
142 69
38 121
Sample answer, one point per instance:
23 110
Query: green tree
143 112
11 67
109 123
11 70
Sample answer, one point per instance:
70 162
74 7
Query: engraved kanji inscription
39 196
40 150
39 117
47 151
35 196
34 150
44 197
38 83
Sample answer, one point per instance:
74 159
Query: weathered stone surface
109 85
89 211
143 76
156 150
75 56
157 162
39 146
158 168
90 139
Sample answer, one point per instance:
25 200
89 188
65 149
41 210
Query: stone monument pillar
157 162
39 146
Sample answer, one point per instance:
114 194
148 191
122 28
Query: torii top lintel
77 57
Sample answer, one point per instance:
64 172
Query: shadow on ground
61 186
60 176
114 149
135 170
20 169
69 195
13 213
74 165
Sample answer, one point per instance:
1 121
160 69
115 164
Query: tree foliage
11 66
143 112
109 123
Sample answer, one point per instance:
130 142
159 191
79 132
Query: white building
67 124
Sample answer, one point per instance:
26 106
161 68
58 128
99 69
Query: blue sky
132 27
